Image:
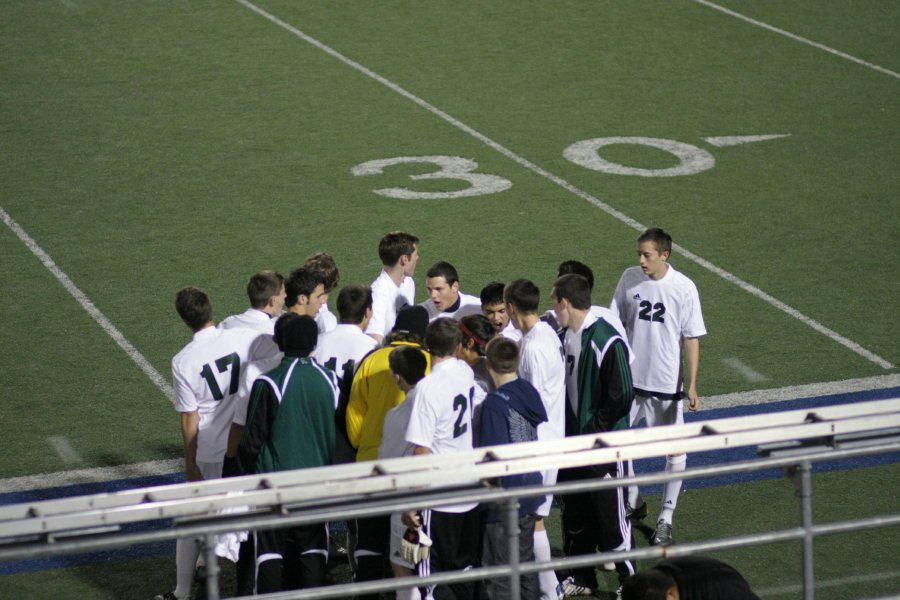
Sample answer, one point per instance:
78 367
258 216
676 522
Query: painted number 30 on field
586 153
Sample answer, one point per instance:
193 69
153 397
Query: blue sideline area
643 466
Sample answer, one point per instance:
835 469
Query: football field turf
151 145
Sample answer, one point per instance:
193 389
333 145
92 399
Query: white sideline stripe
745 370
568 186
96 475
168 467
798 38
829 583
64 449
88 306
794 392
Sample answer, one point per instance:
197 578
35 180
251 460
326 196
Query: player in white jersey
575 267
661 311
494 308
444 297
394 287
266 293
206 375
324 263
341 349
543 365
441 423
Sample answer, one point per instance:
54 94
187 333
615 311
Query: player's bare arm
190 428
692 352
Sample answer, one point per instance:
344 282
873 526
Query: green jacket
290 420
605 390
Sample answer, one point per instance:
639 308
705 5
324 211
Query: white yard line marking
725 141
98 475
168 467
794 392
744 370
64 449
798 38
833 335
88 306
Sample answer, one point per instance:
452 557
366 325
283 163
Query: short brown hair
262 286
194 307
323 263
503 355
575 289
394 245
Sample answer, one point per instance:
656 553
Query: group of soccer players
288 385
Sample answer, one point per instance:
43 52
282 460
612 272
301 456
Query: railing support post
511 516
212 567
802 475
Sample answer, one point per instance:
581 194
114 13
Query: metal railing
792 440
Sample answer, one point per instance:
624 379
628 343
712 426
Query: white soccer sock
634 493
547 579
674 464
186 553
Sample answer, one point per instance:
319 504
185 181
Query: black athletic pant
592 521
291 559
371 552
456 538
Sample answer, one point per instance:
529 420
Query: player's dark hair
301 282
477 331
194 307
492 293
394 245
503 355
443 269
324 263
576 268
660 238
262 286
409 363
296 335
522 294
651 584
575 289
352 302
442 337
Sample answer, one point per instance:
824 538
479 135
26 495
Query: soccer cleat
636 514
571 589
170 596
663 535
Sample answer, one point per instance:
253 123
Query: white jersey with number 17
207 375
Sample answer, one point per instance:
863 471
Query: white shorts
656 412
397 531
210 470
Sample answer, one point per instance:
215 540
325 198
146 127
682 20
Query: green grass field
149 145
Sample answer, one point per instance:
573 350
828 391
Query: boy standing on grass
509 415
394 287
290 425
206 374
441 423
660 308
408 366
543 366
600 394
